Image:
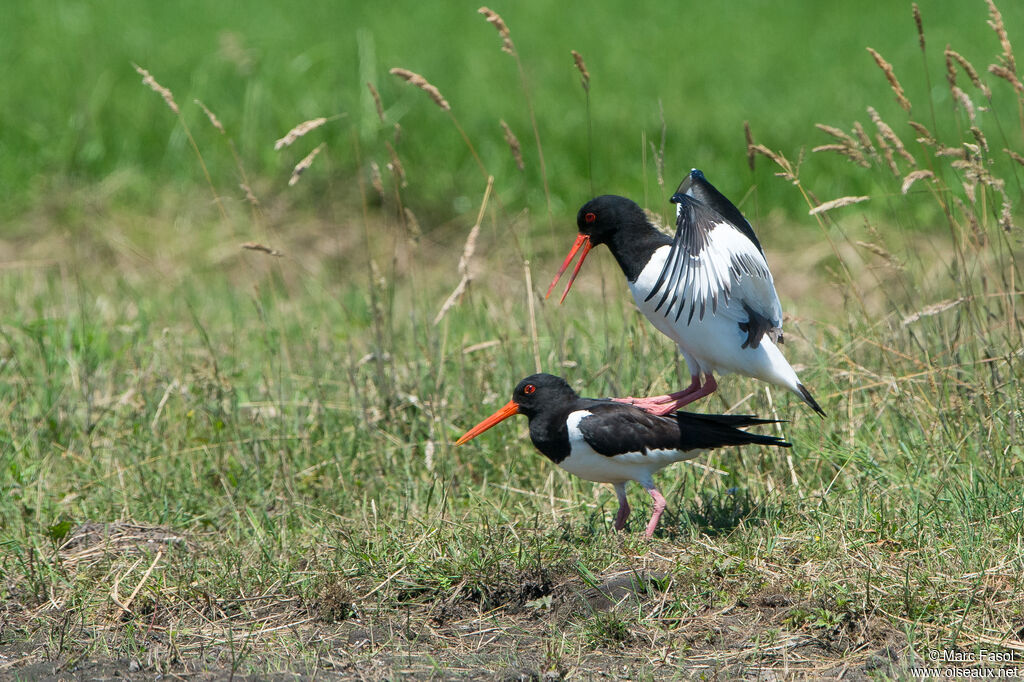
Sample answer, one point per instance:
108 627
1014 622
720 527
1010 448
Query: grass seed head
396 167
968 68
582 68
298 131
376 101
1007 75
149 81
996 22
919 24
499 24
890 76
914 176
836 203
1015 156
423 84
513 145
303 165
214 121
887 134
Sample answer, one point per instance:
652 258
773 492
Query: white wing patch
713 267
585 462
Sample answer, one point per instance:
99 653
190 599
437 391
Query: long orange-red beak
581 240
501 415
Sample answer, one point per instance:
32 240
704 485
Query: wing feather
716 264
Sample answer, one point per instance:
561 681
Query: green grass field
221 461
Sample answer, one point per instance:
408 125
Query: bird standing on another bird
612 442
708 289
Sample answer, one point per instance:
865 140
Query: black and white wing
618 429
716 264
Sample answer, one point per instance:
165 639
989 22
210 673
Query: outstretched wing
716 264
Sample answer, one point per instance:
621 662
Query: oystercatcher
612 442
708 289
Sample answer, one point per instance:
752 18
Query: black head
603 216
538 391
533 395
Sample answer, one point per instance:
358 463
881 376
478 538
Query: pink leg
665 404
659 507
623 513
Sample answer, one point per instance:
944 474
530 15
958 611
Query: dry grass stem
303 165
149 81
262 248
214 121
423 84
396 167
968 68
249 195
298 131
499 24
1015 156
411 222
882 253
376 181
836 203
914 176
996 22
513 145
749 136
890 76
582 68
376 101
468 250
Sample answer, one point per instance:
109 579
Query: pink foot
666 404
659 507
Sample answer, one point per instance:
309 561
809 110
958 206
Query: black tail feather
704 431
809 399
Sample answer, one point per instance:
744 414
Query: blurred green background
74 115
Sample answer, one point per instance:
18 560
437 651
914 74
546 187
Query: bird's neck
633 247
550 435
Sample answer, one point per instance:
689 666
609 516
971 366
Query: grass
215 458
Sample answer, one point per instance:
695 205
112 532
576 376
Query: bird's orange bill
582 240
511 409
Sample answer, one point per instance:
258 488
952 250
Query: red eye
590 217
529 388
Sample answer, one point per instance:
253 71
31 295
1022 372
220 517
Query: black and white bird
709 289
611 442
